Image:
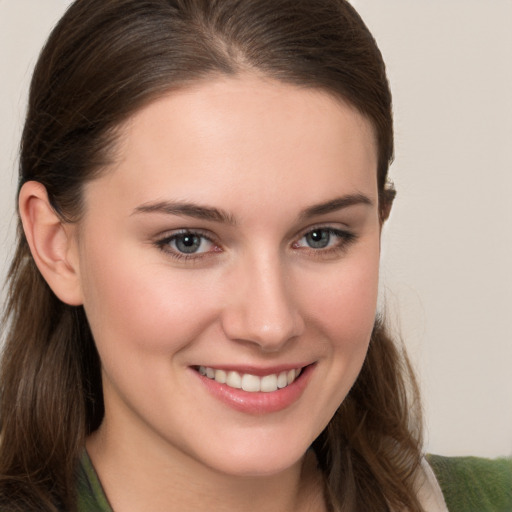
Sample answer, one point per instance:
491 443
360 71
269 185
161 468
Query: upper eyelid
173 233
330 229
334 227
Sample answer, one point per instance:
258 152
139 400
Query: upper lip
258 371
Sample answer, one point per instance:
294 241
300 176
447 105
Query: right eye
187 244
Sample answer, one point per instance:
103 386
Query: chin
258 468
257 458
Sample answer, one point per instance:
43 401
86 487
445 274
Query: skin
256 293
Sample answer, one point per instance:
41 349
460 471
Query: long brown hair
103 61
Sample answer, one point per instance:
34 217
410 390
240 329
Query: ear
52 242
386 199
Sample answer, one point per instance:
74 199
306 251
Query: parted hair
103 61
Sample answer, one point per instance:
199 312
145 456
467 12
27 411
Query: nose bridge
263 310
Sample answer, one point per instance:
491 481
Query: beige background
447 263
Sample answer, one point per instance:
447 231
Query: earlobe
52 246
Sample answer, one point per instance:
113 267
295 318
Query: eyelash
164 244
346 238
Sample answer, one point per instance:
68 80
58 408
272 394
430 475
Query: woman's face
236 236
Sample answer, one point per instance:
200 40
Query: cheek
142 306
341 305
343 302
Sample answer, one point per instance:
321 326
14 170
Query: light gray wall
448 246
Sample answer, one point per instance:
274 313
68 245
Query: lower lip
258 403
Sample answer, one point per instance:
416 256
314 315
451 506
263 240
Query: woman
193 298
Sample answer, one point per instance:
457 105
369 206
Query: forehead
246 134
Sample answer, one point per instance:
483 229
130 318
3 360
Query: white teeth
282 380
269 383
234 380
221 376
251 383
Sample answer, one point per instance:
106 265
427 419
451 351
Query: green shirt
469 484
472 484
91 497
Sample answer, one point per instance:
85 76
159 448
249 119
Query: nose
262 309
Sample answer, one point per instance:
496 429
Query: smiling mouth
251 383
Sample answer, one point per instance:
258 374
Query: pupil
188 243
318 239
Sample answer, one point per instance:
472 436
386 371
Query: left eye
322 238
189 243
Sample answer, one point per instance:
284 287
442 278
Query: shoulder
474 484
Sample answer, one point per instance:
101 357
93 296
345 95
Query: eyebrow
187 209
338 203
